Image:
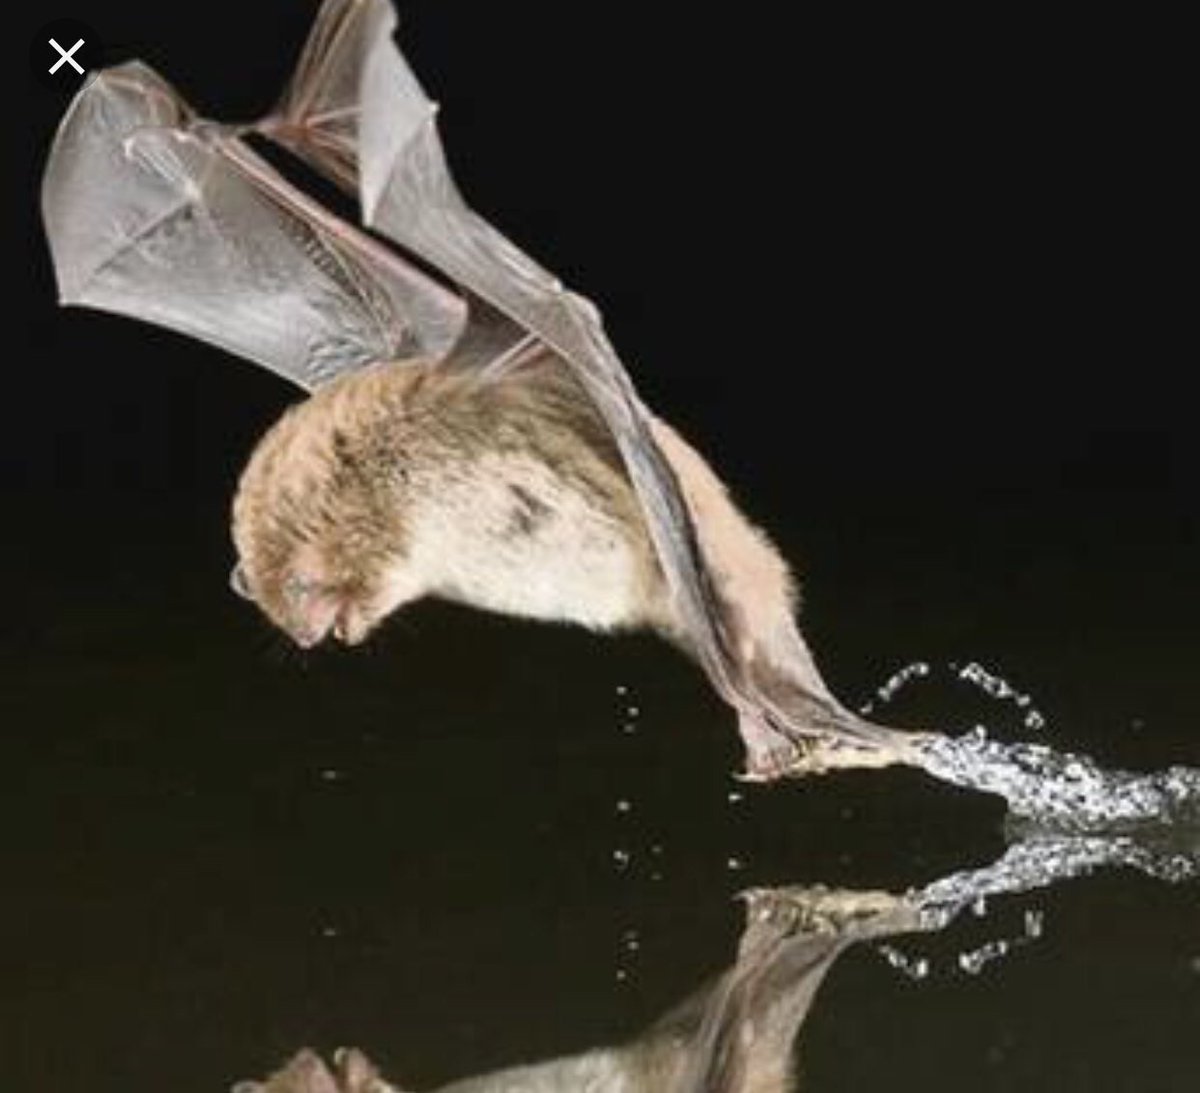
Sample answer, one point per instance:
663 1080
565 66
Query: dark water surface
459 849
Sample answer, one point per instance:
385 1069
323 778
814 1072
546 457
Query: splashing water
1056 789
1071 792
912 967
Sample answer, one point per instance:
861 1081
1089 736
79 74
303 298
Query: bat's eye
298 588
237 581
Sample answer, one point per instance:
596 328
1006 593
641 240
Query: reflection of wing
154 213
356 112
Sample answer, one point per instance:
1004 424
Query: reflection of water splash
1038 861
1170 854
1069 792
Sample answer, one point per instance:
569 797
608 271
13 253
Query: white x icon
65 55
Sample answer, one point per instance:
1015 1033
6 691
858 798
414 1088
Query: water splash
1068 791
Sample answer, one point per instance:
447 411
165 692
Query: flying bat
469 433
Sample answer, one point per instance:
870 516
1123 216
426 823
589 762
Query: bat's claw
817 909
769 754
826 753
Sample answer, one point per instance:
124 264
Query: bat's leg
807 730
740 1035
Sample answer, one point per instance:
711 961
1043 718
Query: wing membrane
154 213
358 114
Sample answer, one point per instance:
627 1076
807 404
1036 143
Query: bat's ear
237 581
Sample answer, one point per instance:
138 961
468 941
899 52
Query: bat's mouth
331 617
321 619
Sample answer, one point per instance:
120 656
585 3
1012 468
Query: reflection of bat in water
470 435
737 1034
734 1036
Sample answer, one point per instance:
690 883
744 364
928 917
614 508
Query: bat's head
316 525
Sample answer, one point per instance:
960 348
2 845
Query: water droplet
733 864
974 962
331 775
913 967
621 859
733 797
624 806
898 680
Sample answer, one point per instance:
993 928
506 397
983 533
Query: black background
876 254
916 285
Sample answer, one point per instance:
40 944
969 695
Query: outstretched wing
355 111
154 213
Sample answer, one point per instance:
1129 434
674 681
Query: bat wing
154 213
355 111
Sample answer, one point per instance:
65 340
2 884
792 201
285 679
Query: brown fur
327 504
338 471
413 479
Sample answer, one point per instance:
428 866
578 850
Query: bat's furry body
407 480
410 480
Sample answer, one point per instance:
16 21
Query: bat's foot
769 754
816 909
826 753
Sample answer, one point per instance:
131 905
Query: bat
469 433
